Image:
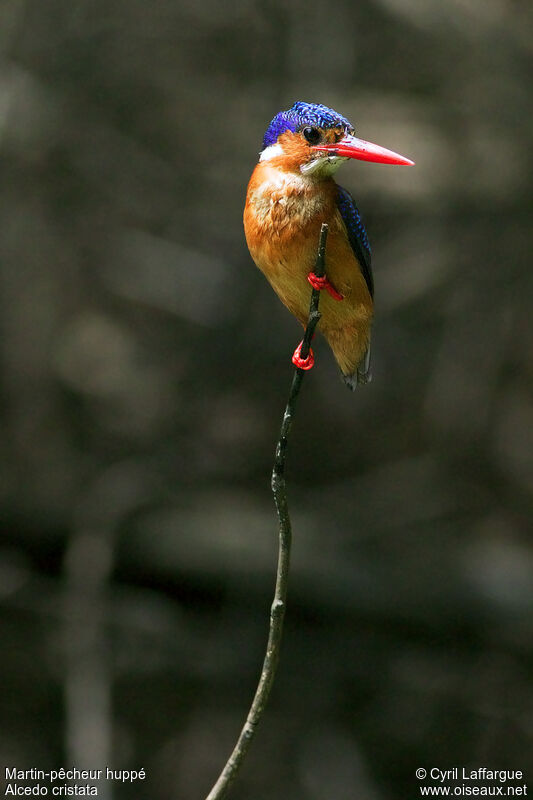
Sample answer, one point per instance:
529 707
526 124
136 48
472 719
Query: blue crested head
302 114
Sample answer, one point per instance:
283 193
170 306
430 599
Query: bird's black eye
312 135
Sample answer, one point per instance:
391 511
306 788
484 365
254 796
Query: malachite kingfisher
290 194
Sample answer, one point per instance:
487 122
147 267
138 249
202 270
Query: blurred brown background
145 365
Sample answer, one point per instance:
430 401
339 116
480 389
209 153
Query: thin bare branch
277 612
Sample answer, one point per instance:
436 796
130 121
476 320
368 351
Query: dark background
145 364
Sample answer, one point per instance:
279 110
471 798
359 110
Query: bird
290 194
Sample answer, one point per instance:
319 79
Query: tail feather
362 374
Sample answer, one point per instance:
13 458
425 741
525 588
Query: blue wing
356 234
361 248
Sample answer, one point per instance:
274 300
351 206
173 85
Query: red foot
323 283
303 363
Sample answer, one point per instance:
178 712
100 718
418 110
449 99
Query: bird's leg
323 283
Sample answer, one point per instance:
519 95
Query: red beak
351 147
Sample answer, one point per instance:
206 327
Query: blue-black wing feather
361 248
356 234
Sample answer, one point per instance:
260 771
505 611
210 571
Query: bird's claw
303 363
323 283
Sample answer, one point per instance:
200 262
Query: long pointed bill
351 147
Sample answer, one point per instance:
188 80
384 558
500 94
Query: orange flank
285 207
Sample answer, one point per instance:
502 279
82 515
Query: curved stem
277 611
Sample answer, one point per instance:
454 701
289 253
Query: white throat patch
322 166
